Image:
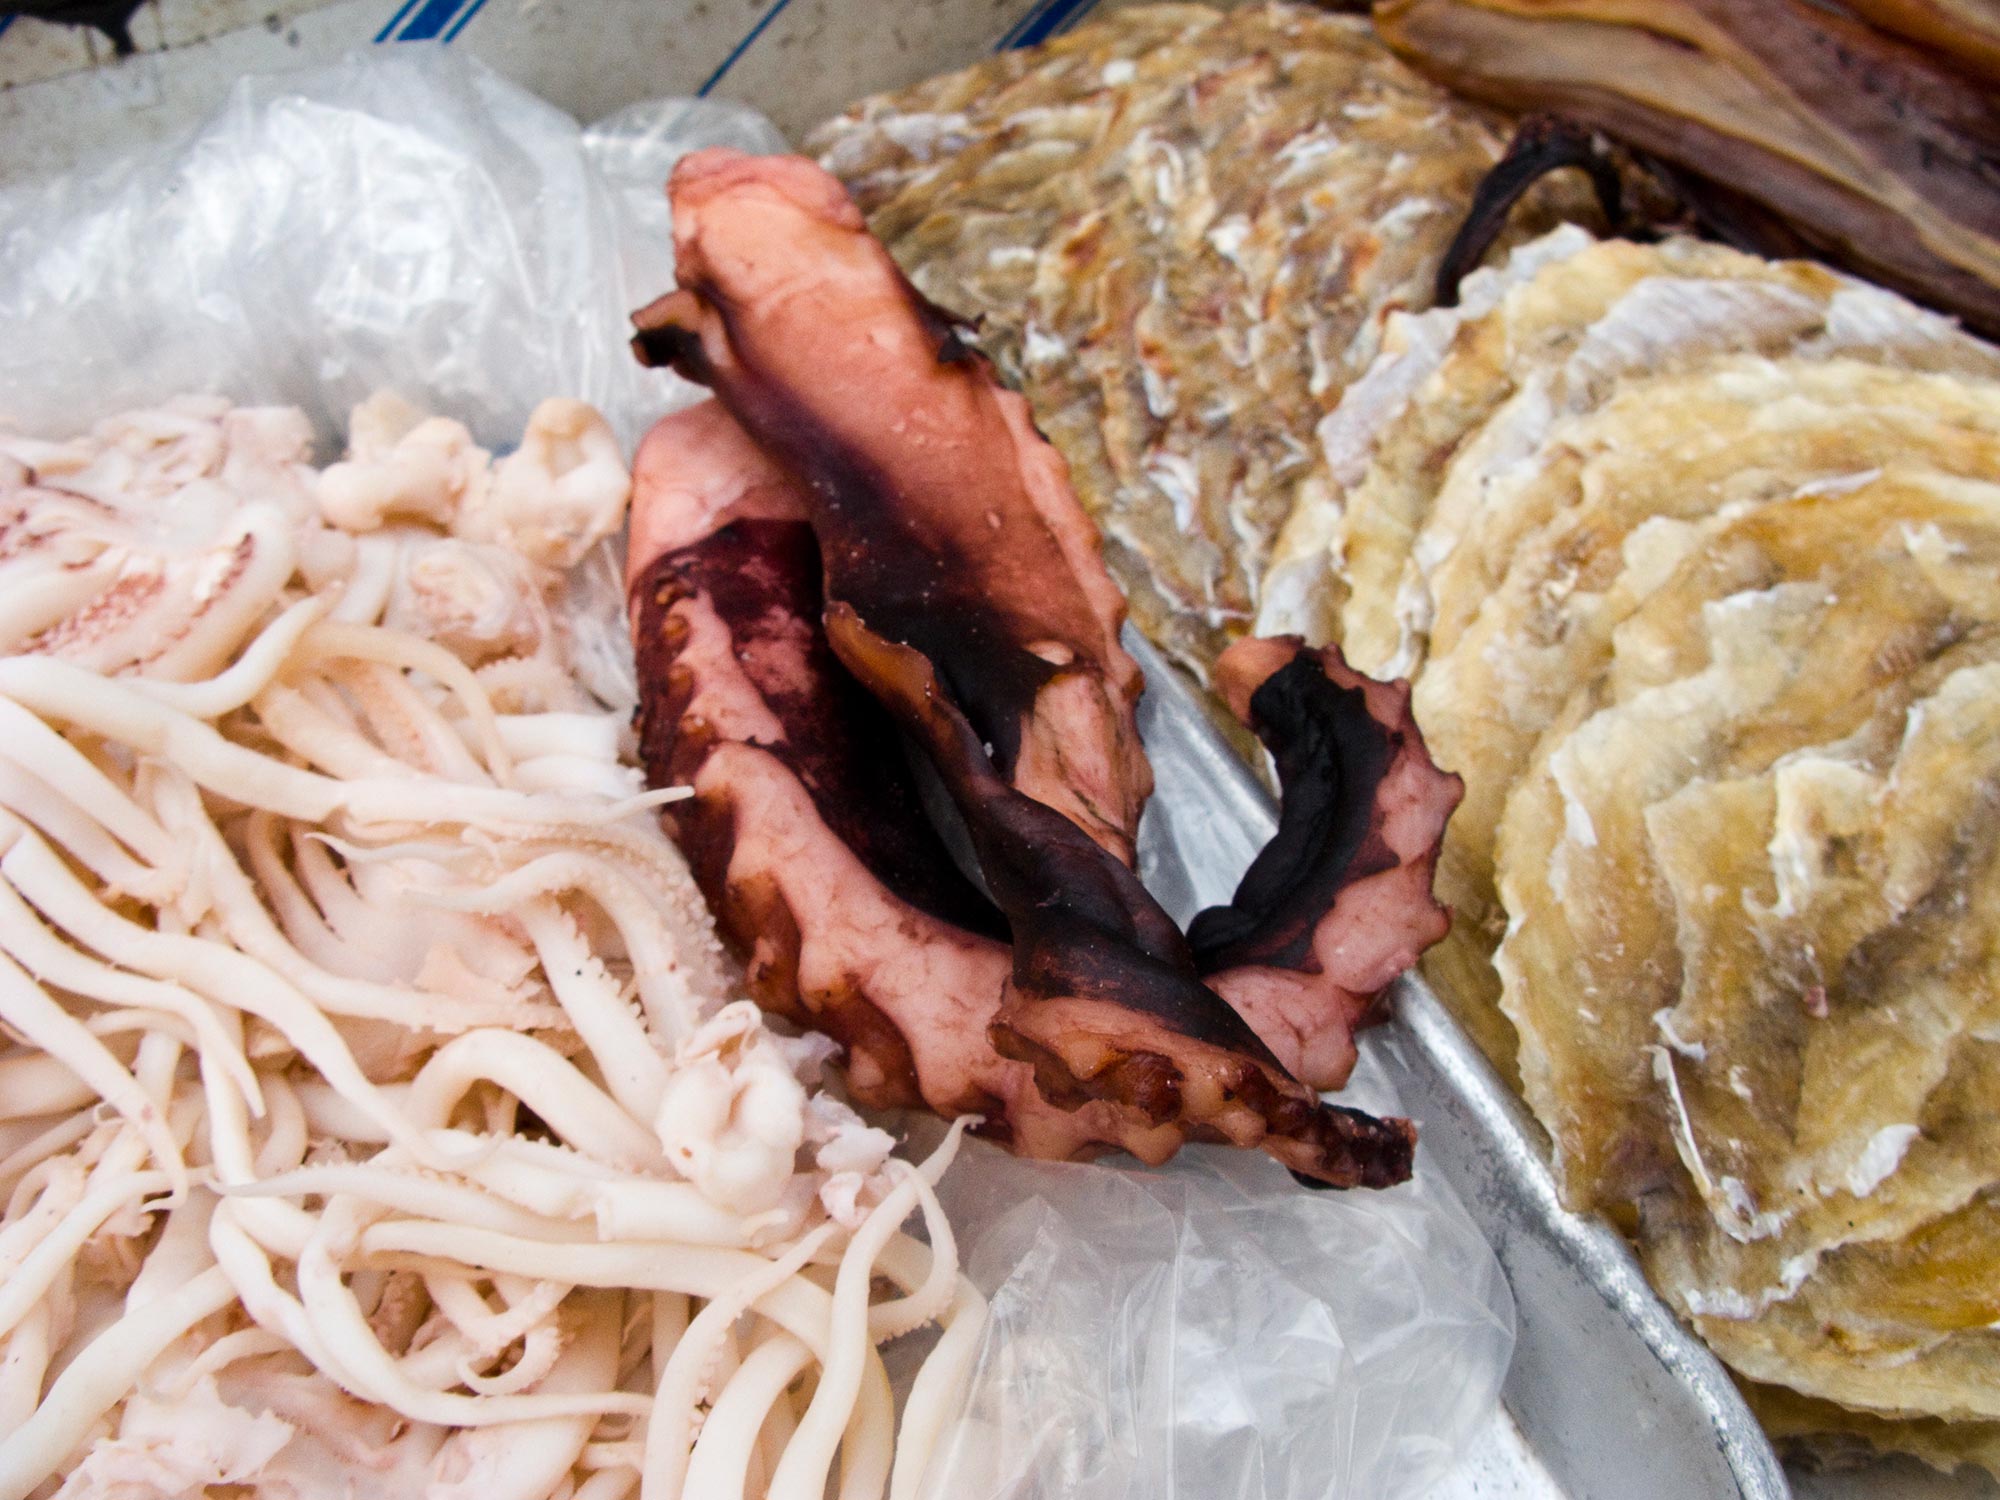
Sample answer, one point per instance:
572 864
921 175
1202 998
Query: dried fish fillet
1180 232
1903 1328
1826 1080
1838 568
1571 541
1587 955
1569 545
1461 410
1476 388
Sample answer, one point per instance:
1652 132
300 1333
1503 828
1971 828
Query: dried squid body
376 1088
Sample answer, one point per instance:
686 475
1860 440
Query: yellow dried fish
1671 626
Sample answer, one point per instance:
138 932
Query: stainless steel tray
1610 1397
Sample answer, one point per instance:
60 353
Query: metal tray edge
1485 1142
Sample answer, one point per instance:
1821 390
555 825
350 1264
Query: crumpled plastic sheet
408 219
1213 1330
404 219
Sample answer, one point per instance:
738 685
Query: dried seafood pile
1177 231
1693 558
377 1116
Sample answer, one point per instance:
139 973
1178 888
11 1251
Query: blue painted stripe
1010 37
5 22
431 18
1045 21
395 20
741 47
460 24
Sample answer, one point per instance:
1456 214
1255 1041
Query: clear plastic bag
407 219
1213 1330
404 219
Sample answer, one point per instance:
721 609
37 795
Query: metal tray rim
1593 1250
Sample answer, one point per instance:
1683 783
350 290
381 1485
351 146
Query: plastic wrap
406 219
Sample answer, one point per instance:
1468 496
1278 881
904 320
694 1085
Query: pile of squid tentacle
376 1115
867 605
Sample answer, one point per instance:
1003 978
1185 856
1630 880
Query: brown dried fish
1866 147
1965 31
1180 231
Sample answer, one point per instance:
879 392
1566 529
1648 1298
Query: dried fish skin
1867 148
1181 231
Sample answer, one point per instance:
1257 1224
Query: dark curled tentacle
1543 144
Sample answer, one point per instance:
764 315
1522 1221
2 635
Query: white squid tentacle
41 1148
210 968
690 1369
632 1066
259 662
24 1365
29 1279
411 729
35 802
54 761
356 1358
287 712
100 1377
407 1191
935 1394
528 1460
808 1457
26 939
671 1007
720 1466
26 1006
250 926
541 1078
396 649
